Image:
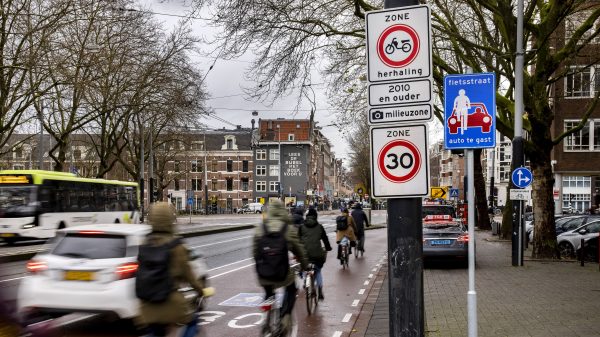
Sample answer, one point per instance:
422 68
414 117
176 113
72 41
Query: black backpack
272 262
153 283
341 223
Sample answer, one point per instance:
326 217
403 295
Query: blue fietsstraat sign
470 111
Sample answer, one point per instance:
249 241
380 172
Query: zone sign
399 44
400 168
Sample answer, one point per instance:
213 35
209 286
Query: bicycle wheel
310 293
271 326
315 297
344 256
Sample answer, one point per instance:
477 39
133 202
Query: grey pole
205 176
517 144
41 139
405 255
151 167
141 172
472 294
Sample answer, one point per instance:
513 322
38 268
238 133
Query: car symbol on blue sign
522 177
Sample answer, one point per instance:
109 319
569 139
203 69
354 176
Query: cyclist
175 310
347 232
360 220
277 220
311 234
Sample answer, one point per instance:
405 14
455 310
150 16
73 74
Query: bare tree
25 29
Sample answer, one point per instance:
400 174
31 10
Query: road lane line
374 270
346 318
370 275
231 271
230 264
366 283
337 334
362 291
12 279
216 243
355 303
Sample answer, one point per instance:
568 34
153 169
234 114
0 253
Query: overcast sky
225 81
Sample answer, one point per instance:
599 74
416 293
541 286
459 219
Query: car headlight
28 226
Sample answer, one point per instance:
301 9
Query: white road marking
337 334
230 264
374 270
355 303
366 283
370 275
362 291
12 279
216 243
231 271
346 318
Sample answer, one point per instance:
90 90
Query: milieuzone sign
400 99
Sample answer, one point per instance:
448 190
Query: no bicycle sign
399 161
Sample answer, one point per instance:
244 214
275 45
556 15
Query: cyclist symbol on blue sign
462 104
522 177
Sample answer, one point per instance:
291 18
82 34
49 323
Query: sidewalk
542 298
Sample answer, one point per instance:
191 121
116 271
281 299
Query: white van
254 207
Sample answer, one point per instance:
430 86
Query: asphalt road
228 256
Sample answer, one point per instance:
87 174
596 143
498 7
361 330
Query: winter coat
348 232
276 218
311 234
176 309
360 220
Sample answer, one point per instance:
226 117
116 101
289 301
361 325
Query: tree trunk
506 227
483 219
544 241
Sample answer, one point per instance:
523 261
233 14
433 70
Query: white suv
88 269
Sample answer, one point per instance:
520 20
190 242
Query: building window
214 184
274 154
18 167
273 186
197 145
261 170
261 186
291 137
77 154
229 144
244 166
229 182
176 184
196 166
176 166
229 165
579 140
576 181
261 154
214 165
196 184
578 82
274 170
245 183
18 152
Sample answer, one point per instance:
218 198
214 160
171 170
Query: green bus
35 203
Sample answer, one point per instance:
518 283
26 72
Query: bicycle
272 326
310 289
393 46
345 244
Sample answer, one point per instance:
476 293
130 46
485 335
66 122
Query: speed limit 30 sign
400 167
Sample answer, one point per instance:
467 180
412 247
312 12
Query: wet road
228 256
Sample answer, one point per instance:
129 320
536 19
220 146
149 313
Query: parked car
570 241
254 207
567 223
434 208
591 249
89 268
445 238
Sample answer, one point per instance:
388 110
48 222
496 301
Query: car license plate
77 275
440 242
7 235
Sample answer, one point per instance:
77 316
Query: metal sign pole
472 294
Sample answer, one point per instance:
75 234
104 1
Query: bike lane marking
355 303
346 318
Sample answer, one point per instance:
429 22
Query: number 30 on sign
399 164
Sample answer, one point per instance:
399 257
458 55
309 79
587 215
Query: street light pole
41 139
205 175
141 171
279 162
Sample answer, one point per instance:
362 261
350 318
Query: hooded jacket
277 217
360 220
348 232
176 310
311 234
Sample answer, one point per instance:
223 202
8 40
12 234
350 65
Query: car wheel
566 250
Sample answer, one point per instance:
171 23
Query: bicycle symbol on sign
393 46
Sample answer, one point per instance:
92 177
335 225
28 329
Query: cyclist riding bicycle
311 234
360 220
348 231
277 222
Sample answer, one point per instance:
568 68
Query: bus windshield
17 201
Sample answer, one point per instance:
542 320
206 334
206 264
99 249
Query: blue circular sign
522 177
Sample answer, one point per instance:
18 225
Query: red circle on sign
384 153
414 48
